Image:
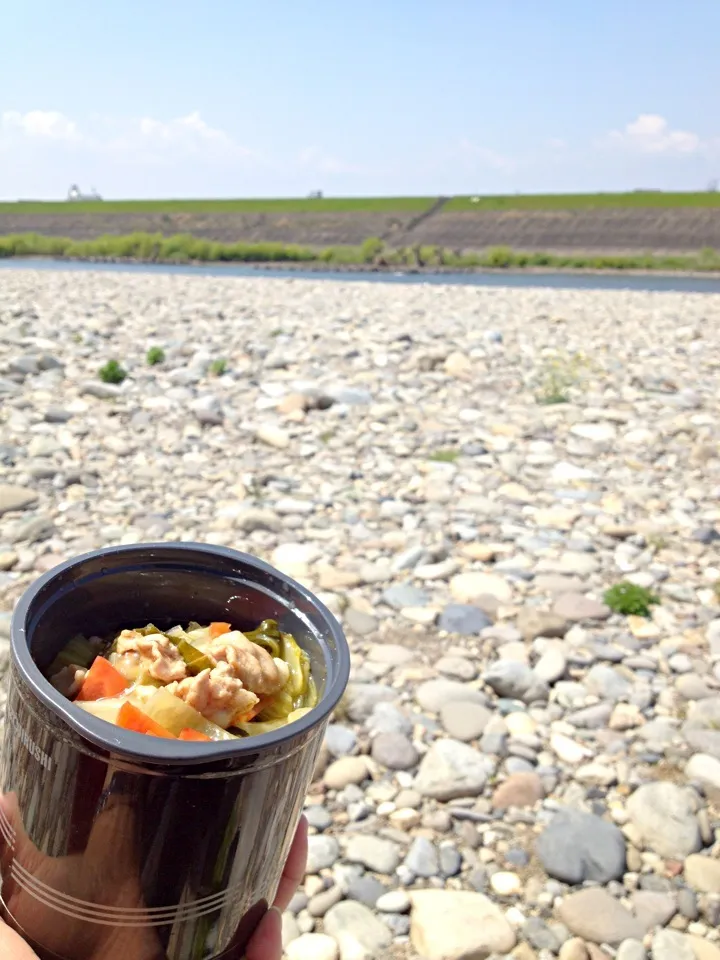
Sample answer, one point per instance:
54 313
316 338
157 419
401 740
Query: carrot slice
189 734
254 711
130 718
102 680
217 629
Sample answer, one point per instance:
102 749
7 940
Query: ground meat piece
217 694
69 680
154 654
250 663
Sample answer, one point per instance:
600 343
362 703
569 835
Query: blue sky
158 99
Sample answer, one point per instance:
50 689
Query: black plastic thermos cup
122 846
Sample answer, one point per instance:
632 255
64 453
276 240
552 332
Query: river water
659 283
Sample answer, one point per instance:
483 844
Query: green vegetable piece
267 636
292 655
79 652
278 708
195 660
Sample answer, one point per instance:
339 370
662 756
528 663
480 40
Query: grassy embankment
289 205
185 248
417 205
155 248
585 201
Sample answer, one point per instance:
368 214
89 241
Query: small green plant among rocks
657 542
630 599
218 367
154 356
559 372
112 372
444 456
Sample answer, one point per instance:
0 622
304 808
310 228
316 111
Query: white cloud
188 133
40 125
189 128
651 133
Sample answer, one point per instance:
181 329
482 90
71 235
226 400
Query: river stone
703 873
340 740
15 498
387 718
393 654
671 945
664 816
703 949
552 664
458 925
322 852
576 847
359 622
452 769
607 683
519 790
361 698
535 623
702 727
628 950
312 946
100 390
577 607
465 720
652 908
405 595
434 694
705 770
458 668
464 619
344 771
358 932
595 915
366 889
422 858
394 751
516 681
470 586
375 853
394 901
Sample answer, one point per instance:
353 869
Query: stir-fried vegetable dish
199 683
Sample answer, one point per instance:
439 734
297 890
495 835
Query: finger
266 943
22 847
294 867
13 947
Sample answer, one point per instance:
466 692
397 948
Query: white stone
466 587
312 946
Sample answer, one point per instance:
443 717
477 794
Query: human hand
265 944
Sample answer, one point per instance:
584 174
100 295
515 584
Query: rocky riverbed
516 770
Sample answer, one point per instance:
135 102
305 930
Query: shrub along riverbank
183 248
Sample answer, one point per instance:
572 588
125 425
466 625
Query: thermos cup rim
137 747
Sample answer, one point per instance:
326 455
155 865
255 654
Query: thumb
266 942
12 945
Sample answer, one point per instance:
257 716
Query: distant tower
74 192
